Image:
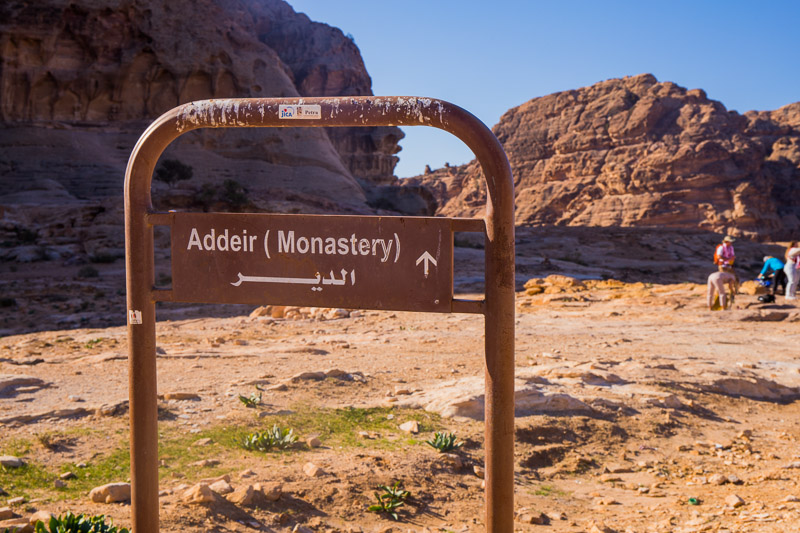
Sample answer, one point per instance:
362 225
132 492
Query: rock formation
80 81
636 152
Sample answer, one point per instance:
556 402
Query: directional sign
393 263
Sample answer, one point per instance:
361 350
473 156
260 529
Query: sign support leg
142 376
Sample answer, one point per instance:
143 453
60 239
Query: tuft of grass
34 480
390 500
92 343
265 441
549 490
252 401
444 442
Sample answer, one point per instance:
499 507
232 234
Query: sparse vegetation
231 193
234 194
252 401
444 442
274 438
171 171
88 272
92 343
71 523
392 499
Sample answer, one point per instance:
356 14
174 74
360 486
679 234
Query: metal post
344 112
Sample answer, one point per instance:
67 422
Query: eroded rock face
80 81
633 151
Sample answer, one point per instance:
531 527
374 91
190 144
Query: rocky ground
637 409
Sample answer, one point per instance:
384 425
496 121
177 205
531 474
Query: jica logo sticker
306 111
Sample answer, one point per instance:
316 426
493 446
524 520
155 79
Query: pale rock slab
111 493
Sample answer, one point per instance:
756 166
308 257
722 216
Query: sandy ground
637 409
632 399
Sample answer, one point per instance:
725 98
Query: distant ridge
636 152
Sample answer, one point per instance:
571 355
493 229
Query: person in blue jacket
773 270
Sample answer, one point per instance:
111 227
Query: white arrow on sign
426 257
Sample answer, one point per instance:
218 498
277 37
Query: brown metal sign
368 262
358 262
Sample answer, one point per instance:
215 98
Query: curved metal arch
335 112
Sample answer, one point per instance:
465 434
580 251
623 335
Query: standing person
792 270
724 255
716 284
773 269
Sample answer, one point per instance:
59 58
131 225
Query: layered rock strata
80 81
637 152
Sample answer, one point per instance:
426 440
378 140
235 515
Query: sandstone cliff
81 80
636 152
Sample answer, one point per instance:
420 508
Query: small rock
302 529
734 501
314 376
247 473
200 493
277 388
111 493
211 480
41 516
599 527
734 479
67 475
272 491
204 463
717 479
313 442
479 471
6 513
181 396
412 426
614 468
9 461
790 498
202 442
606 501
59 484
452 460
312 470
19 500
221 487
16 525
540 519
242 496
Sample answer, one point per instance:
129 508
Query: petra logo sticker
134 316
300 112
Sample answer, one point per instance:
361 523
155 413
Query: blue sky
488 57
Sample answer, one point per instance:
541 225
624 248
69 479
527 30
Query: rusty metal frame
498 306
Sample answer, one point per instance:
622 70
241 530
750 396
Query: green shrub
70 523
264 441
392 498
444 442
172 171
